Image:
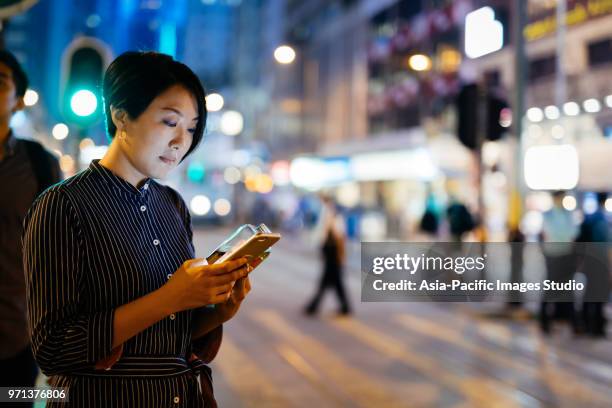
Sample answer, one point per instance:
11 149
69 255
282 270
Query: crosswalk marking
246 379
563 384
359 388
299 364
542 349
480 391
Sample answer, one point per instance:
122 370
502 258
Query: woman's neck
117 162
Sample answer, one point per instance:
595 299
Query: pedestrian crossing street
393 354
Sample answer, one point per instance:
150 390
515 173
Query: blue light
196 172
167 39
18 120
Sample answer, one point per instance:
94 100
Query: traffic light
495 126
196 172
468 116
84 65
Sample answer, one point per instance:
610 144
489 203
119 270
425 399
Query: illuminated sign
483 34
551 167
578 13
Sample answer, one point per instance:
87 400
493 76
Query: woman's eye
170 123
192 131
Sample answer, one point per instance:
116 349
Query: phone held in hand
249 241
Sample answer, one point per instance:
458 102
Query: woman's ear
119 117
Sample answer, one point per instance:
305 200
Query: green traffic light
196 172
83 103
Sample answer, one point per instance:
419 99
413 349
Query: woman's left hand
229 309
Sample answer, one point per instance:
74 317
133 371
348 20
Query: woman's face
157 140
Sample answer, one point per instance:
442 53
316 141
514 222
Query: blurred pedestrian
26 169
430 221
558 234
460 220
594 238
333 254
516 240
116 301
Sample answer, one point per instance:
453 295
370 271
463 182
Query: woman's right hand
195 285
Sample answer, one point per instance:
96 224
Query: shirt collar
116 181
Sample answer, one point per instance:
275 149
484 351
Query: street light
60 131
535 114
222 207
30 98
200 205
232 123
591 105
571 108
552 112
284 54
214 102
420 62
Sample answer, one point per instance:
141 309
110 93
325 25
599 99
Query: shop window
600 52
542 67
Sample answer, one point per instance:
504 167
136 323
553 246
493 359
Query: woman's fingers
223 290
226 267
243 286
229 277
222 298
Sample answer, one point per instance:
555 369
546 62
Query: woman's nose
181 139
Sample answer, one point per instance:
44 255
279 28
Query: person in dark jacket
594 238
26 169
333 255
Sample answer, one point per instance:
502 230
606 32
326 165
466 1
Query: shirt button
146 186
156 242
143 208
169 275
172 316
177 400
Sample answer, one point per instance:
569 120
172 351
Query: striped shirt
91 244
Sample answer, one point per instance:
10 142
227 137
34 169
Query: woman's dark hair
135 78
20 79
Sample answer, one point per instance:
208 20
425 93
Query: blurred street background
418 120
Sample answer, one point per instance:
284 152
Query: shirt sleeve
207 346
65 336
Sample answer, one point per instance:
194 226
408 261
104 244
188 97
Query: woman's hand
228 309
194 285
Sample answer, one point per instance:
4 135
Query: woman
116 302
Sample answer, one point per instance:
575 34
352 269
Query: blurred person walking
460 220
558 234
333 254
515 241
430 221
26 169
594 238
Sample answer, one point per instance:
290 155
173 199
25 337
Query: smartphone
254 249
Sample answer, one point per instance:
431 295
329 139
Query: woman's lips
167 160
